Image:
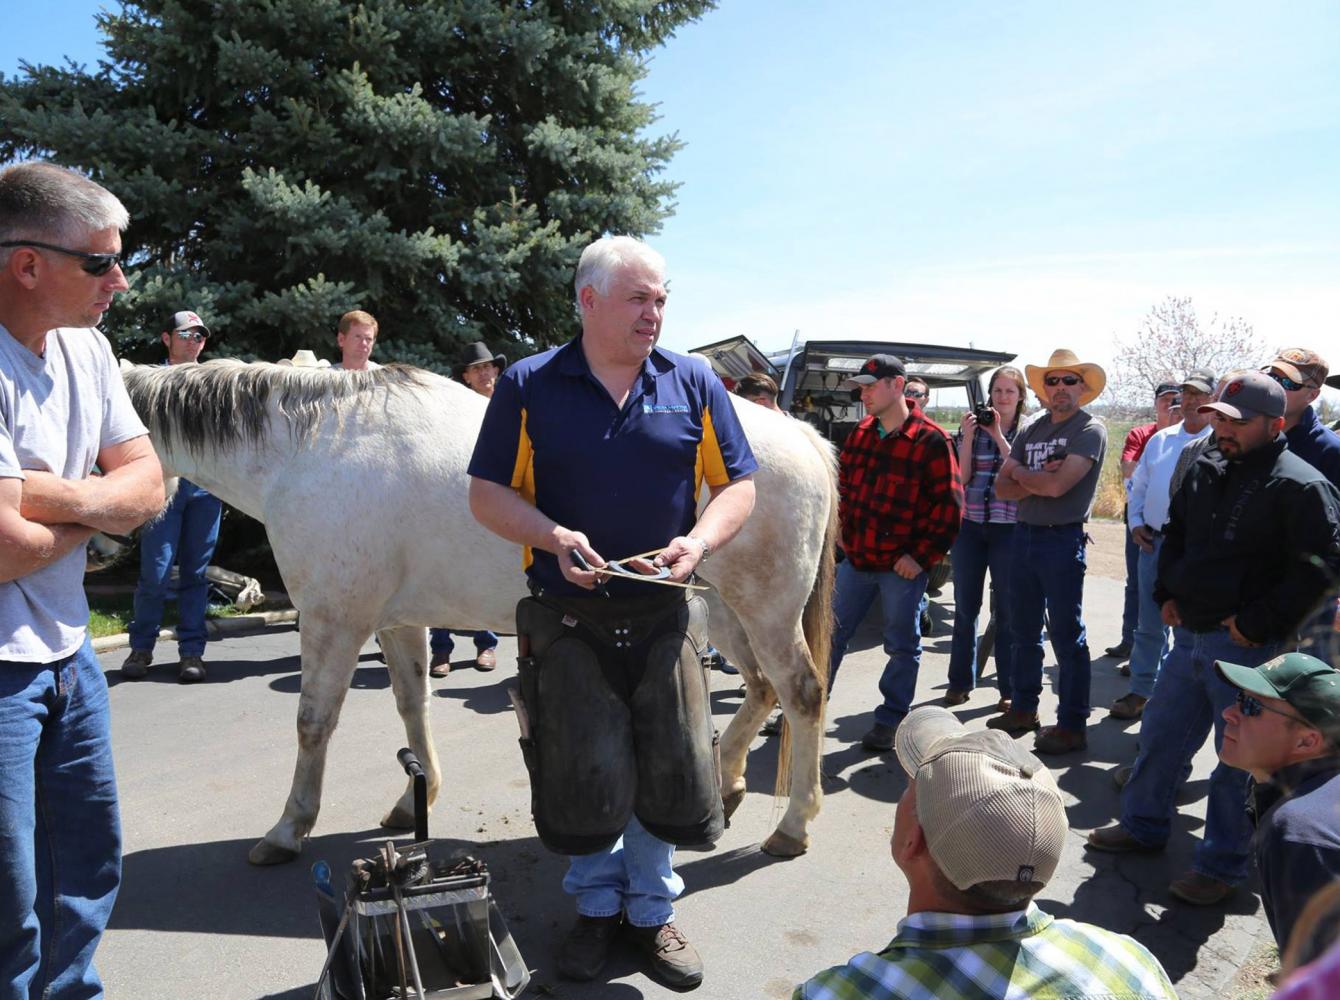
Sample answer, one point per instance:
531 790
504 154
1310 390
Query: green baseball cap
1308 684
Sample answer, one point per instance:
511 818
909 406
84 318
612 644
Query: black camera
985 416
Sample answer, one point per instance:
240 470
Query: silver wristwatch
707 549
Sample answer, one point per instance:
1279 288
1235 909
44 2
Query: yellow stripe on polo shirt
711 463
523 479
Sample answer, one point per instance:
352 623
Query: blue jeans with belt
900 601
1188 701
186 534
980 545
60 832
1048 582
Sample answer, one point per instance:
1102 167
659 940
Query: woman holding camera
984 539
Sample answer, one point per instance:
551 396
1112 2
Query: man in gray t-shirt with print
63 411
1053 472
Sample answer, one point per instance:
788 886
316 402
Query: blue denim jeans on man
633 877
440 641
979 546
1188 701
186 534
1150 647
900 600
1048 584
60 832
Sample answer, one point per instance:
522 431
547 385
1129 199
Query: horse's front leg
329 655
406 650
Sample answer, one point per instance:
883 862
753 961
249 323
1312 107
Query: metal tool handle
414 769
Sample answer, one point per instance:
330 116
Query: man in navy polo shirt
596 451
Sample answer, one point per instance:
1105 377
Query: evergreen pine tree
439 163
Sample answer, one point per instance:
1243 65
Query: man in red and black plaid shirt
900 510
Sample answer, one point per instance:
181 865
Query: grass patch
110 614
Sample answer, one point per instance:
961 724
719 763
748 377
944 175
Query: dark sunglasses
1054 380
913 394
96 264
1289 383
191 334
1251 708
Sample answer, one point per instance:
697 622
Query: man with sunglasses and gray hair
1252 537
1301 373
185 536
63 412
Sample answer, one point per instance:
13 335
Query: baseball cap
991 810
1251 394
1302 365
877 367
1308 684
1202 379
1163 388
186 320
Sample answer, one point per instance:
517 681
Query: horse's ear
125 366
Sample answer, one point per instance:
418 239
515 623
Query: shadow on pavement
490 699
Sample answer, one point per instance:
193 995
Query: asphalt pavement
204 771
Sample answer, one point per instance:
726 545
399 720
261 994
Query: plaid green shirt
952 956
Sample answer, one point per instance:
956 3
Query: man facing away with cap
356 336
1053 472
900 506
1282 730
1252 537
63 411
185 534
978 833
1146 515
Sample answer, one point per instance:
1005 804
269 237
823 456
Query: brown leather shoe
1004 705
1129 706
440 665
1116 839
486 660
1016 722
587 946
1201 890
1058 739
673 960
956 697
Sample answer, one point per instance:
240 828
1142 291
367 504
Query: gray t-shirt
56 413
1079 434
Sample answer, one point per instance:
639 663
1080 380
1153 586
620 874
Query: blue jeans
185 534
1190 698
1150 647
60 833
634 877
979 546
1130 608
899 601
440 641
1048 580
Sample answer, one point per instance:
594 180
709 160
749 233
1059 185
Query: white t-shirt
56 413
1152 479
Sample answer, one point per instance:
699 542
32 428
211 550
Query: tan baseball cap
991 810
1302 365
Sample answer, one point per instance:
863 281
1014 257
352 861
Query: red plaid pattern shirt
899 494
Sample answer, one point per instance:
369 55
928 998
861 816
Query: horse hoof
398 819
731 802
266 853
782 845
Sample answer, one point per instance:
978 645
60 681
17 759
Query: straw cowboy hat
303 359
1063 360
478 354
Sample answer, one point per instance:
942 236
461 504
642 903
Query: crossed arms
1055 479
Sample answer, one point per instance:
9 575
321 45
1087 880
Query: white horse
360 480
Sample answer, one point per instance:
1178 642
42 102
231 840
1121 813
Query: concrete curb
216 628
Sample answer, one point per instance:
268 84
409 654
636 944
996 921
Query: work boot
1058 739
927 624
1129 706
587 946
773 726
1121 777
1116 839
439 665
137 664
1200 890
1016 722
879 738
486 660
1120 651
190 670
673 960
956 697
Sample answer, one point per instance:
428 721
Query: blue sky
1019 176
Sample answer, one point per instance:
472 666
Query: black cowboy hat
477 354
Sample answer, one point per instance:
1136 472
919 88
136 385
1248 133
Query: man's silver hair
41 201
603 258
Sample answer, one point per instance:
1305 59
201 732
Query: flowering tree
1172 341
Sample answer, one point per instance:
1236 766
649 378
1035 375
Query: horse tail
817 619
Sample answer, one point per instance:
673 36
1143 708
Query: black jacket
1257 538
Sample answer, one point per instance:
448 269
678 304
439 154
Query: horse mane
226 402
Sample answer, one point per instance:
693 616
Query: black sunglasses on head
96 264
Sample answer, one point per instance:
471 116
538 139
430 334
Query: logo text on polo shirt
665 407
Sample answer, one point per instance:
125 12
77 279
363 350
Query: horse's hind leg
729 637
329 655
406 650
